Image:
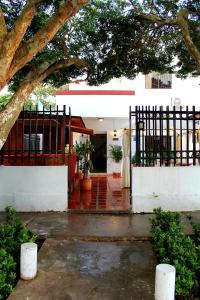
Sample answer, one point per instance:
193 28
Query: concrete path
100 226
91 257
82 270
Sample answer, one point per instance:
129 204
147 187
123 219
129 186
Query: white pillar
165 282
28 261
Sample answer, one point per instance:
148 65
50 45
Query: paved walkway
91 257
106 194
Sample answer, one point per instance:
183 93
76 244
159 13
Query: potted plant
116 155
85 149
133 160
77 150
168 158
150 159
197 156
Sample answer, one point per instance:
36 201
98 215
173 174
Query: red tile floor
106 195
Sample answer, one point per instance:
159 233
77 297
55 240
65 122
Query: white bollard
28 261
165 282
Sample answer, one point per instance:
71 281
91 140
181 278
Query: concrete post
165 282
28 261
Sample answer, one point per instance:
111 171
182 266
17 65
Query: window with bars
155 80
33 142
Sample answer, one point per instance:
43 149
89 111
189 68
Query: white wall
97 105
112 166
34 188
187 90
106 124
172 188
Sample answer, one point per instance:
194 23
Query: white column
165 282
28 261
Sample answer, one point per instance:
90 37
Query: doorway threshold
99 212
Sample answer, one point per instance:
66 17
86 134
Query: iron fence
38 138
165 136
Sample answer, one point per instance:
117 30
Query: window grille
158 81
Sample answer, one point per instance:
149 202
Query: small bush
116 152
173 247
196 231
12 235
7 274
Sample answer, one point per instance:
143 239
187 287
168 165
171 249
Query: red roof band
96 92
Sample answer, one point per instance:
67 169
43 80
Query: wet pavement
64 225
92 257
82 270
88 226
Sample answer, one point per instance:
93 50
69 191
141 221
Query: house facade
106 111
34 167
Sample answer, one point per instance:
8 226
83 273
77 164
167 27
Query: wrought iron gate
166 136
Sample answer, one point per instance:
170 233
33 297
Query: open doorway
99 156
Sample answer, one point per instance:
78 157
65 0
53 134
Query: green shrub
116 152
173 247
7 274
12 235
196 231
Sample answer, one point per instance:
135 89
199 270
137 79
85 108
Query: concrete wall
172 188
112 166
41 188
118 106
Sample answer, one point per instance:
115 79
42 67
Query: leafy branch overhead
27 56
57 41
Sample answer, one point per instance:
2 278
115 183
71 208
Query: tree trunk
10 113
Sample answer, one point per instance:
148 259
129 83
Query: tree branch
10 113
78 62
182 20
13 39
159 20
3 27
29 49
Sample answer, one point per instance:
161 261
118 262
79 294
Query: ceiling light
100 119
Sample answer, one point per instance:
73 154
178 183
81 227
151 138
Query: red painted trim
96 92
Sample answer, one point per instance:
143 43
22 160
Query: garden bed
12 235
173 247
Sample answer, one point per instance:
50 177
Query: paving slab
63 225
88 226
80 270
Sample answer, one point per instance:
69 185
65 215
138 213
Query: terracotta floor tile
106 194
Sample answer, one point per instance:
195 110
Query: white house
105 109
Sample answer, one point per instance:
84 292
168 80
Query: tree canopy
177 24
26 30
55 42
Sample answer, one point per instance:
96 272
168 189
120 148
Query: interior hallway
106 195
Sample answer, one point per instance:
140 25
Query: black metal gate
165 136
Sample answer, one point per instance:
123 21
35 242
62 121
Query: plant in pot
78 151
133 160
168 158
197 156
116 155
85 149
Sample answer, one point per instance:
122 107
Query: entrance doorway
99 156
